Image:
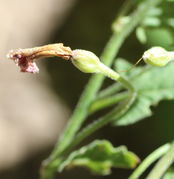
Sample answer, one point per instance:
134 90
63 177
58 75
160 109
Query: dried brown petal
24 58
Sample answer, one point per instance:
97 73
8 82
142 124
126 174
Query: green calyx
157 56
86 61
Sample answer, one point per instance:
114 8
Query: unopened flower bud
157 56
86 61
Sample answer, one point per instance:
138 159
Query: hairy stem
163 164
107 102
155 155
115 114
112 89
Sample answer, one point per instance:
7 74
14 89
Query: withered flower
24 58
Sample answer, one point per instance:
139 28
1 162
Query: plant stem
112 89
163 164
81 111
107 102
125 8
115 114
149 160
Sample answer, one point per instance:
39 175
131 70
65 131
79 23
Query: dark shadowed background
34 108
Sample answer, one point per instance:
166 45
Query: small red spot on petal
25 63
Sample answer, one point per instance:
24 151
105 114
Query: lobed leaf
157 28
100 156
152 85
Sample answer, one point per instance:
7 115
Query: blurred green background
88 26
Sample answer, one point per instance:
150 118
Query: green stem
127 5
115 114
149 160
112 89
106 97
163 164
107 102
105 70
125 8
81 111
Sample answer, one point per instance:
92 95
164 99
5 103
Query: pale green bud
157 56
86 61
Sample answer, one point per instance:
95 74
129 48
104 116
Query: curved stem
115 114
112 89
107 102
105 98
163 164
149 160
105 70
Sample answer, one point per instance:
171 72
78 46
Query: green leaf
100 156
153 84
160 37
157 28
169 174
